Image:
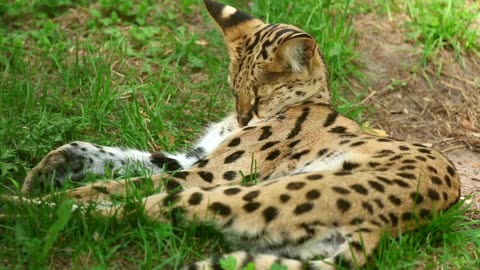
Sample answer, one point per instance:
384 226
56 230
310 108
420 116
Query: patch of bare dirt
419 103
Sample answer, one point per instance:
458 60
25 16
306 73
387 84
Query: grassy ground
149 74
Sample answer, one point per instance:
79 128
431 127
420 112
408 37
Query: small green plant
387 7
228 263
133 73
444 24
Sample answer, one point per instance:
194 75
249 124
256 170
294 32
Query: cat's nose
243 119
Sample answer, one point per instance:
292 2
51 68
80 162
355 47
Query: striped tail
242 260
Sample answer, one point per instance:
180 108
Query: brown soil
418 103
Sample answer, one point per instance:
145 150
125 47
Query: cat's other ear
234 23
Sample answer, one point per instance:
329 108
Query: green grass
445 24
149 75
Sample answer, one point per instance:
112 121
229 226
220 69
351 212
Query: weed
445 24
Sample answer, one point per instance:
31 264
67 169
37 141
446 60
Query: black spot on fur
273 154
343 205
342 262
229 175
407 168
356 221
322 152
232 191
300 93
421 158
363 230
348 166
425 213
234 156
295 185
367 206
177 215
373 164
393 219
101 189
400 183
384 153
250 196
330 119
171 199
314 176
303 208
379 203
433 194
425 151
416 197
195 198
312 194
357 246
229 223
448 181
384 218
171 185
403 148
376 223
268 145
182 175
202 163
220 208
419 145
338 130
377 186
206 176
284 198
359 189
234 142
270 213
435 180
298 123
384 140
407 216
342 173
397 157
384 180
251 206
348 135
341 190
355 144
395 200
293 144
267 132
407 175
409 161
451 170
432 169
299 154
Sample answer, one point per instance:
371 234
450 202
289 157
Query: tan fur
326 187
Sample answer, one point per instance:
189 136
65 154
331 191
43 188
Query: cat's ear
297 53
234 23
